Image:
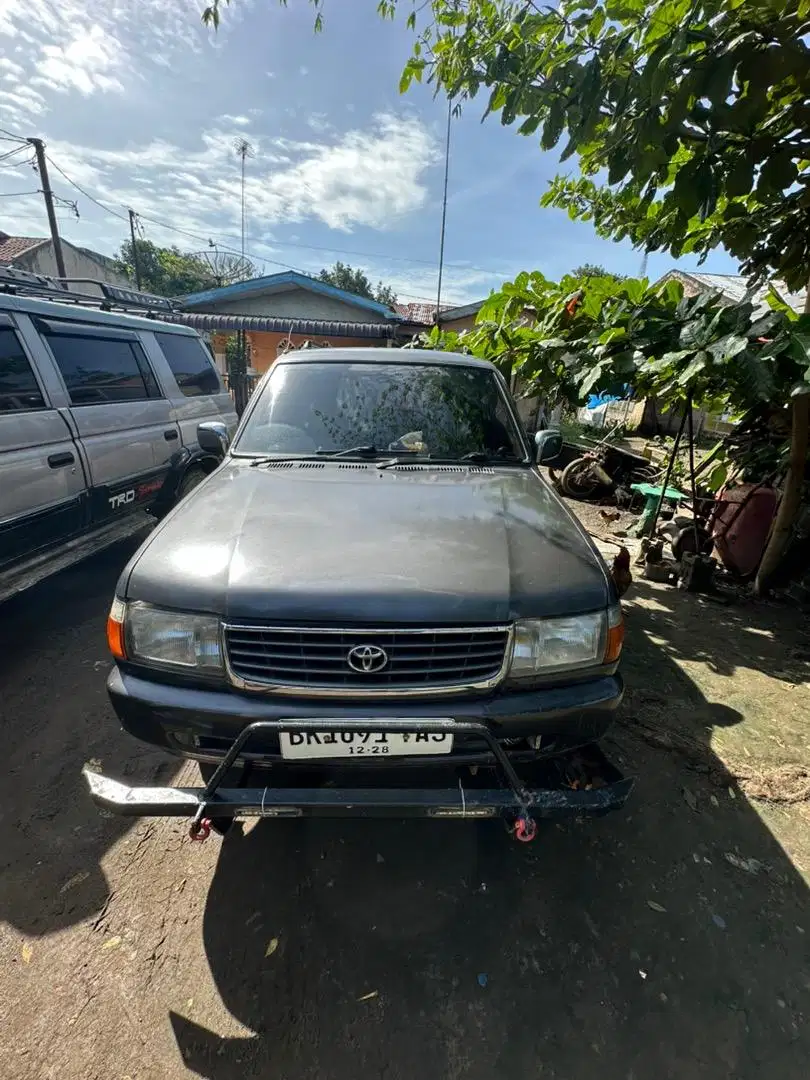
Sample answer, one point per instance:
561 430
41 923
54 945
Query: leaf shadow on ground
444 949
55 717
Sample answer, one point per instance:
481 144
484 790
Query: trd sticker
122 500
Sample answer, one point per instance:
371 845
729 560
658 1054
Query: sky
140 106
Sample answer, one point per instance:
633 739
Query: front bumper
203 723
577 783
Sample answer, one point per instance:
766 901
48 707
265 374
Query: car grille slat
318 659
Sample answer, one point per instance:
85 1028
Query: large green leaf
728 346
778 172
693 369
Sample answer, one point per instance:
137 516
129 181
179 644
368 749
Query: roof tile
14 246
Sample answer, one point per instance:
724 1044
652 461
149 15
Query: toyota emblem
367 659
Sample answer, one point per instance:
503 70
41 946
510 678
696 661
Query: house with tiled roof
733 288
35 254
279 312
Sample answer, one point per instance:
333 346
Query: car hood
349 543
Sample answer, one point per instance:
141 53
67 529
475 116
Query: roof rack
108 298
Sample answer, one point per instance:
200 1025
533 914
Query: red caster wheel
200 830
525 830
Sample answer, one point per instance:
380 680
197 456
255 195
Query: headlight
171 638
542 646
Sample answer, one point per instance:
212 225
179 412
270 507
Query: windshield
440 411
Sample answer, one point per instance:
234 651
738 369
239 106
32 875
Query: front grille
416 661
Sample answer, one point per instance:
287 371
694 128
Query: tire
192 478
577 481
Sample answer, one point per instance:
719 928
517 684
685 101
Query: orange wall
264 345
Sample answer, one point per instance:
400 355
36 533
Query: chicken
608 516
620 571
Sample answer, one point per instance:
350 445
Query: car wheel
192 478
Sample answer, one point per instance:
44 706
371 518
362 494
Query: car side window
19 391
191 365
101 370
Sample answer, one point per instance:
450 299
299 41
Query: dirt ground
668 941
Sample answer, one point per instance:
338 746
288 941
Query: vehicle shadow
54 717
756 635
625 947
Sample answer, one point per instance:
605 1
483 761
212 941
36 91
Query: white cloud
16 70
240 121
318 122
21 103
369 177
363 178
86 63
71 46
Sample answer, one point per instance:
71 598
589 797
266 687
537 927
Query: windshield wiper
412 457
482 457
361 451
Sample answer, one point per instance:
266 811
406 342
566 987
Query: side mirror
213 437
549 446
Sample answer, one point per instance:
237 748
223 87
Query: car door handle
170 435
56 461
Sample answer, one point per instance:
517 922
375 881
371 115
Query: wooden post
42 167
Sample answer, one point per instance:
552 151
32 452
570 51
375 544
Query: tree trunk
791 494
794 486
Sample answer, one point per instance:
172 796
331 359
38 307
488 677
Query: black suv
375 605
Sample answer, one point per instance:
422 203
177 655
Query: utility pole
135 262
42 166
444 211
243 150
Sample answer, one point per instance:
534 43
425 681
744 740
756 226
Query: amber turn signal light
115 629
615 637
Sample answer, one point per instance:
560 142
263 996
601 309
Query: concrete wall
295 304
77 265
466 323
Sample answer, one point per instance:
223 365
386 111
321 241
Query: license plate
361 744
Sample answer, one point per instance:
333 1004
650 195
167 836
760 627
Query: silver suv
98 422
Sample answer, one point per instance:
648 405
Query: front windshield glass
440 411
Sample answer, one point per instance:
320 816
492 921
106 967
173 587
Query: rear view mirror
548 445
213 437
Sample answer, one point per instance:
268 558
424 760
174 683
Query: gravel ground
628 947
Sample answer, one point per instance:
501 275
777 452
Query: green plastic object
651 496
651 492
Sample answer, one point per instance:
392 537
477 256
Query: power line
11 153
263 258
18 194
86 194
283 243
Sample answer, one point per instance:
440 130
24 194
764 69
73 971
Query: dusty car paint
357 543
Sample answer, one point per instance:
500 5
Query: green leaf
727 347
693 368
596 23
693 186
552 129
740 177
778 172
717 477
